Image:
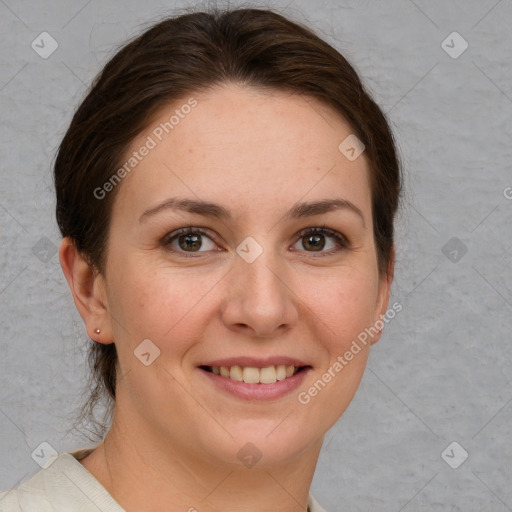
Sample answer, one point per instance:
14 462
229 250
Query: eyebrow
209 209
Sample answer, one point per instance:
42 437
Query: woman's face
256 288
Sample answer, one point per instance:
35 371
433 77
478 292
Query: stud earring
98 331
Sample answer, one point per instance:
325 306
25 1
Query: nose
260 301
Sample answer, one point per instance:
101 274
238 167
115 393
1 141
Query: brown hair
190 53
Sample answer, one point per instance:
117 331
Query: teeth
236 373
252 375
268 375
281 372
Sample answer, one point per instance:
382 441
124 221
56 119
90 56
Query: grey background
441 372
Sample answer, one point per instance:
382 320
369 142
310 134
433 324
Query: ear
88 288
385 281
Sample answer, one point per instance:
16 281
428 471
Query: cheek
345 303
345 306
162 304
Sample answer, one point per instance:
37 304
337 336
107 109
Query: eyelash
341 241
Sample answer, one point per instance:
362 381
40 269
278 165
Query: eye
314 240
188 240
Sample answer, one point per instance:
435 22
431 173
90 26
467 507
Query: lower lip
257 391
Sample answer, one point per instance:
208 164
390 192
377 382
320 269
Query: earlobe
88 290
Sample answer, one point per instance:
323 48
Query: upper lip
255 362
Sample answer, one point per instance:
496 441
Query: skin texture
175 437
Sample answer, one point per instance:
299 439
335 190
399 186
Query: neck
144 476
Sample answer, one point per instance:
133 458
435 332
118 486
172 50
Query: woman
226 195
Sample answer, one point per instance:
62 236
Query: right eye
187 241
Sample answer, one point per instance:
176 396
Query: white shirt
64 485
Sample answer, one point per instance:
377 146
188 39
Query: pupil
192 242
318 241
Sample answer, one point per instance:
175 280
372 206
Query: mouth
255 375
252 378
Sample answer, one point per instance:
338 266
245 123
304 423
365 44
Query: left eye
314 240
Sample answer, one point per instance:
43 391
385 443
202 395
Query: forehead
245 146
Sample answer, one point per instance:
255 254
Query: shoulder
9 501
29 495
62 485
314 506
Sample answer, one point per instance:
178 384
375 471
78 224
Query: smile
253 375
